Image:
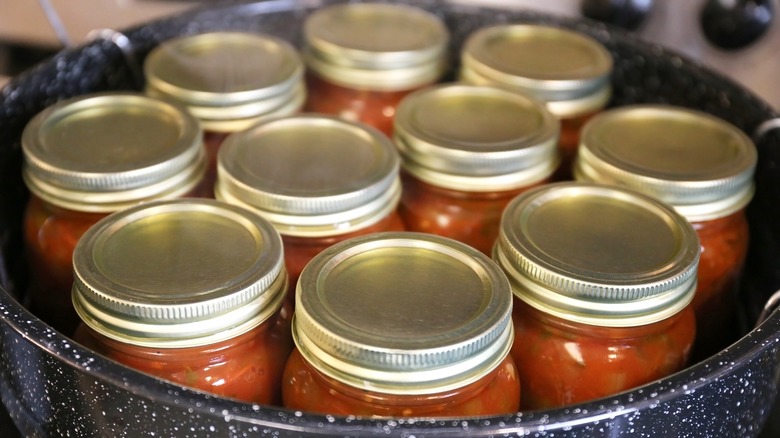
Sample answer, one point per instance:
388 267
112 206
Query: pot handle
125 45
765 127
117 38
771 304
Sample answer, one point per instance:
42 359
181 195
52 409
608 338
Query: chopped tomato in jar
562 362
724 244
469 217
307 389
246 367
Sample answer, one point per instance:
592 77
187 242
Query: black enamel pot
54 387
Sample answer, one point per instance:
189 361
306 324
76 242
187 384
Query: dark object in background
52 385
628 14
733 25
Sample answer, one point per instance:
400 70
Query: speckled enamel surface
53 387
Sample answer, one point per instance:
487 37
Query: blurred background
739 38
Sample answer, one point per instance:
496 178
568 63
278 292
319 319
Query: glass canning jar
191 291
318 179
567 70
466 151
362 59
89 156
703 167
228 80
402 325
602 277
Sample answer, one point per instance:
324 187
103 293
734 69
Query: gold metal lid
228 80
598 255
567 70
102 152
375 46
403 313
698 163
476 138
310 175
178 273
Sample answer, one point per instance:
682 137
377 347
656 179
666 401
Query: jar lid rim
114 145
598 253
699 163
178 272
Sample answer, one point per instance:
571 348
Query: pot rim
62 348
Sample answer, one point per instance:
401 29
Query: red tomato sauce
298 251
561 362
307 389
51 233
212 140
724 245
247 367
374 108
469 217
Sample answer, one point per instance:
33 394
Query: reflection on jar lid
102 152
376 46
598 254
227 79
310 175
403 313
476 138
568 70
698 163
178 273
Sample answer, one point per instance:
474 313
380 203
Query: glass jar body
562 362
51 234
372 107
212 141
724 245
299 250
247 367
469 217
305 388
